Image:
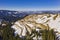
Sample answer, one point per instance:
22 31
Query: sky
27 5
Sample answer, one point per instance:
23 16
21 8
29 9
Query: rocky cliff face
37 22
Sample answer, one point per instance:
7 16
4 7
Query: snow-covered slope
36 21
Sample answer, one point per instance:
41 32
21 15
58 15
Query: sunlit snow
20 26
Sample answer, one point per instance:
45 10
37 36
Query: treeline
8 34
48 35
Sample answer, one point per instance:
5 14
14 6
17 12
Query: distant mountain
11 15
15 15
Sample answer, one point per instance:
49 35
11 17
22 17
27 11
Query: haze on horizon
28 5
